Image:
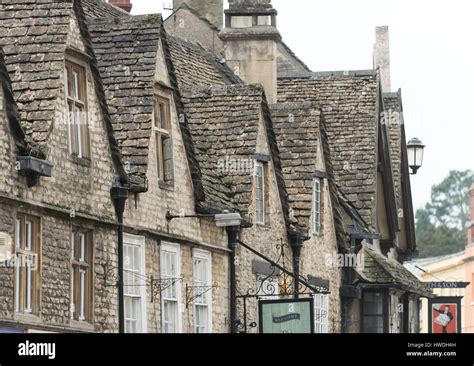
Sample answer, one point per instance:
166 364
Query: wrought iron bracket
195 292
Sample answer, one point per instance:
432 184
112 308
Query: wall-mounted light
415 150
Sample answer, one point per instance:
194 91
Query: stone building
366 152
115 124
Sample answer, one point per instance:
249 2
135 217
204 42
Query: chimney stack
250 41
124 4
382 56
470 230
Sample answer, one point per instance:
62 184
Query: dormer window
164 142
78 128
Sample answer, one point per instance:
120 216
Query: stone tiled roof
392 118
197 67
296 127
11 107
349 104
380 270
33 37
126 50
100 9
235 112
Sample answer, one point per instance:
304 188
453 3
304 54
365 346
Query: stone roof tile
126 50
197 67
34 35
349 104
232 136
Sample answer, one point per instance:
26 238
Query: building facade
126 138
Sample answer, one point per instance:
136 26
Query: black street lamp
415 150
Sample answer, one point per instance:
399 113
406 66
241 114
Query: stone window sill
80 161
165 185
27 318
81 325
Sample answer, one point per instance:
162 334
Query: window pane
75 81
77 120
373 321
167 158
28 235
82 282
82 247
260 195
18 234
28 288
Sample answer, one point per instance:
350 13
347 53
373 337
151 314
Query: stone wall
77 194
186 25
213 10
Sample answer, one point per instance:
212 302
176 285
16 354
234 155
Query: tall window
321 313
134 276
27 270
203 291
373 312
316 209
82 275
260 197
78 129
164 145
171 291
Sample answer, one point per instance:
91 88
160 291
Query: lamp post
415 149
231 222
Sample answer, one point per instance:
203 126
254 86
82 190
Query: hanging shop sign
444 315
286 316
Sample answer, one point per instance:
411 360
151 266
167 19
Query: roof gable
197 67
11 109
101 9
224 122
126 49
348 101
33 38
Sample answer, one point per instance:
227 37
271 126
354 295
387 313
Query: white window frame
259 167
139 241
176 249
316 207
207 256
321 313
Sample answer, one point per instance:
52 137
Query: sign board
444 315
448 284
286 316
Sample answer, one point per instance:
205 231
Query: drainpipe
296 243
232 234
119 197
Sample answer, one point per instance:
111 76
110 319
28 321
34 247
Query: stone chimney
212 10
250 42
124 4
470 230
382 56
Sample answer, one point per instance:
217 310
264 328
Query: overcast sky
432 61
